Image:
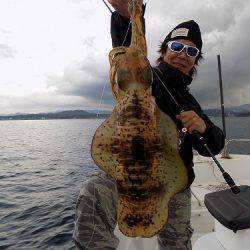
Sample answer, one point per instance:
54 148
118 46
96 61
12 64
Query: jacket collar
174 77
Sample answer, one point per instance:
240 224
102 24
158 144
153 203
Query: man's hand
191 121
121 6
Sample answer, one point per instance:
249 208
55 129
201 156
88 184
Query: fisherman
180 53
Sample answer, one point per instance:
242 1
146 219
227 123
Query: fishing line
170 94
181 109
129 25
103 88
99 106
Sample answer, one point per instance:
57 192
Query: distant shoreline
83 114
36 119
4 120
70 114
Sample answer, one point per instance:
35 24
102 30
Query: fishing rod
225 153
235 189
221 96
129 25
107 6
229 180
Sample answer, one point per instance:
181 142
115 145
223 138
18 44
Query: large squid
138 144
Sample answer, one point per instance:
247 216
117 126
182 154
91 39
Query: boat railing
225 151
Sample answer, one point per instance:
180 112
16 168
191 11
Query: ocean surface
42 166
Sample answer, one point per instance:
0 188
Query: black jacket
177 83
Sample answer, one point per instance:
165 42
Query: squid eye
117 54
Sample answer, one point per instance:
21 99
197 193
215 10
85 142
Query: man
180 53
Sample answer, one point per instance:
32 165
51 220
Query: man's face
180 60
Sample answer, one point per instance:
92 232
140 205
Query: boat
209 233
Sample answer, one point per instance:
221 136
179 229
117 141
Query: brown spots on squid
136 192
134 220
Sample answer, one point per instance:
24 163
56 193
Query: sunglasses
178 47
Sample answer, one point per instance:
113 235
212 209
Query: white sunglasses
176 46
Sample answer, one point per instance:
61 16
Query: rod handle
231 183
235 189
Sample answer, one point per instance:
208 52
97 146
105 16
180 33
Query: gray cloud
235 66
88 42
44 102
6 51
85 79
5 31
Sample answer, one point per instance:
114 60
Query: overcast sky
54 53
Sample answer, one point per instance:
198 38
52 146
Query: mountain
239 111
69 114
244 107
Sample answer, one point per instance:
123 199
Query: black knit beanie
188 30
